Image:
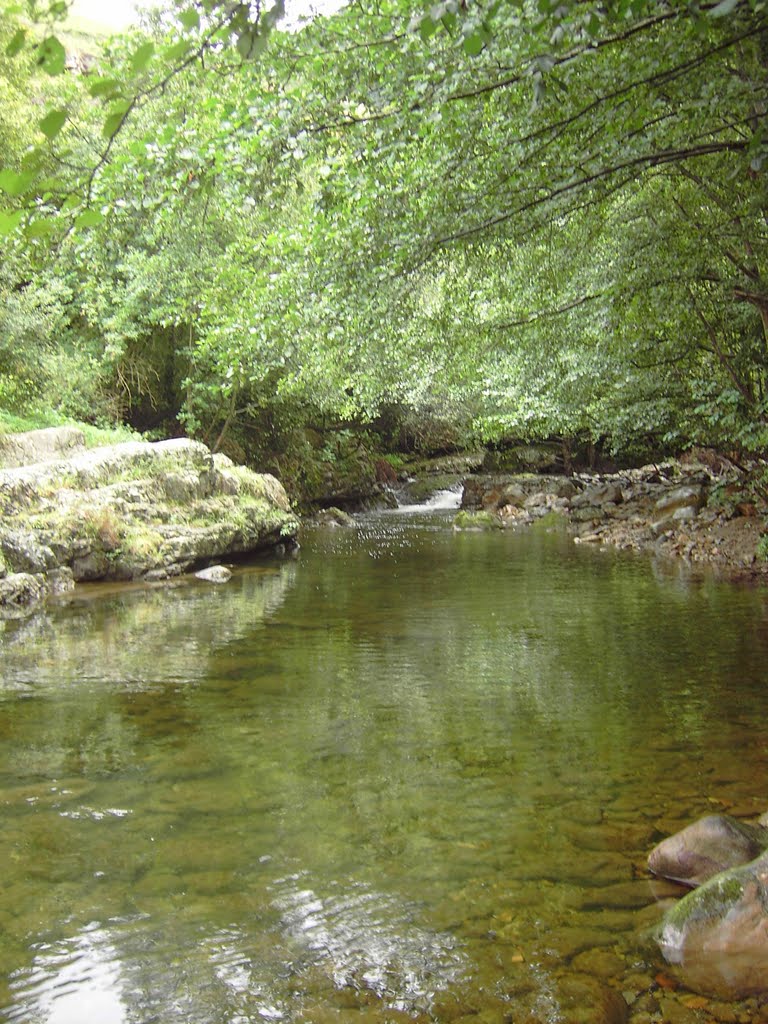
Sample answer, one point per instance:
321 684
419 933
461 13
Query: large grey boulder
40 445
687 496
706 847
599 494
135 510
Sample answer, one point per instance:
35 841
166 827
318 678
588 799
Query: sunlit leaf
17 42
89 219
40 228
190 19
104 88
9 221
177 50
52 57
15 183
52 123
142 56
114 119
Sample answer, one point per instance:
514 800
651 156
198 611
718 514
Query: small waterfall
439 501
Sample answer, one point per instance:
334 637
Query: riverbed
408 774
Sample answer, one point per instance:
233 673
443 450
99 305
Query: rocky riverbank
692 510
137 510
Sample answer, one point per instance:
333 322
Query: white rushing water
447 499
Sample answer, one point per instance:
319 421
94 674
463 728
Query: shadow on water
413 775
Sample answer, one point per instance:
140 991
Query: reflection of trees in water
455 724
140 637
353 938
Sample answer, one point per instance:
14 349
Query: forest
401 227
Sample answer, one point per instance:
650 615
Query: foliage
451 223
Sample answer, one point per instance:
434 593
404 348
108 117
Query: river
408 774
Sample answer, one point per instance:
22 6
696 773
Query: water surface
411 774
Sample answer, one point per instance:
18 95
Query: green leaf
104 87
176 51
190 19
39 228
88 219
473 45
14 183
52 123
52 56
115 118
142 56
247 41
427 27
17 42
9 221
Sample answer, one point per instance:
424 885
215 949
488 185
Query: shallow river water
408 774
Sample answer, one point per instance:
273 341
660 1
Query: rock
214 574
598 495
334 517
707 847
40 445
684 513
24 551
135 509
689 496
582 999
385 472
566 489
477 521
22 589
717 935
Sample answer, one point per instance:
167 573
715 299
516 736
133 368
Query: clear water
412 774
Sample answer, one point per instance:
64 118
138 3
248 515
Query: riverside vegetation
399 229
320 251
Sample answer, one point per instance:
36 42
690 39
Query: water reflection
72 982
367 940
138 637
415 772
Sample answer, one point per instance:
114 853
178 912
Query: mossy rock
477 521
521 458
136 508
550 521
717 935
423 488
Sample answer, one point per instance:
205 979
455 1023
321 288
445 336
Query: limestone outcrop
137 510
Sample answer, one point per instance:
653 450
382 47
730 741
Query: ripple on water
369 940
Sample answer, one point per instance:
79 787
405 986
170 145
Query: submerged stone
717 935
707 847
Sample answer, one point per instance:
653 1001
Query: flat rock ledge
681 509
137 510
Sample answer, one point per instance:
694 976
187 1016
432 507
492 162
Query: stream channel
408 774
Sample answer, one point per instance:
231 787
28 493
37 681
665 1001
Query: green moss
477 521
95 437
143 543
550 521
713 899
